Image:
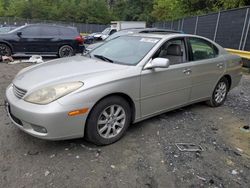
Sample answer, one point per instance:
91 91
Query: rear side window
202 49
68 32
49 31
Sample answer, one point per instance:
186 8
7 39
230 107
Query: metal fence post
196 25
182 23
216 27
172 24
243 29
244 44
179 24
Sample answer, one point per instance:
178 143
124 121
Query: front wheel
66 51
220 93
5 50
108 121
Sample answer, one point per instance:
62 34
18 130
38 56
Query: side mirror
158 63
19 33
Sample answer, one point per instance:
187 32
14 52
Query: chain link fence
82 27
228 28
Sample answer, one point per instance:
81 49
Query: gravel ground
145 157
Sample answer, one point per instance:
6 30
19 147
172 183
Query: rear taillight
80 39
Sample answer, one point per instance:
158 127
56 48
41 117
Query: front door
166 88
30 39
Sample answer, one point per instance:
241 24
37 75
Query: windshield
128 50
16 29
119 33
106 31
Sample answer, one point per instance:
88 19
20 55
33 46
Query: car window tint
202 49
127 50
174 50
68 32
112 31
31 31
49 31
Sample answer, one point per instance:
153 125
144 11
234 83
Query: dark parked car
42 39
129 32
6 29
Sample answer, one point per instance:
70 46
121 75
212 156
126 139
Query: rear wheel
220 93
66 51
5 50
108 121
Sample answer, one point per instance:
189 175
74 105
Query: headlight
52 93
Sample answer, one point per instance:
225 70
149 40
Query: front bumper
80 49
52 117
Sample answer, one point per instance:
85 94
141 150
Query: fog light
39 129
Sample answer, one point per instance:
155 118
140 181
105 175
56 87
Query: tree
167 9
2 8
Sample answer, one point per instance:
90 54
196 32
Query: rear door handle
220 65
187 71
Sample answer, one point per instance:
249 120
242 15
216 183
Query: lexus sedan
42 39
124 81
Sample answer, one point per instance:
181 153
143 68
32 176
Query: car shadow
76 144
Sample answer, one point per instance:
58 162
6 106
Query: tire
5 50
220 93
101 126
66 51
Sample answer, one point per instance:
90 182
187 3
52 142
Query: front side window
174 50
202 49
129 50
106 31
31 31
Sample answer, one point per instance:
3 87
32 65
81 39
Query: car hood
77 68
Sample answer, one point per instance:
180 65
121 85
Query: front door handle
187 71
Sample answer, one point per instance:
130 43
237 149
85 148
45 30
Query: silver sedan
124 81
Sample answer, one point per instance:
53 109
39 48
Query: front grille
19 93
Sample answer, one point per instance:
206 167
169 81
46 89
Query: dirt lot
145 157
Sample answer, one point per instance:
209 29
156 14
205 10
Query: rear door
207 67
50 39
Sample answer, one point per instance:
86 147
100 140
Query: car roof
138 30
50 25
159 35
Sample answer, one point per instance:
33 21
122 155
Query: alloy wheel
220 92
111 121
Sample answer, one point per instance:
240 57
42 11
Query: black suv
42 39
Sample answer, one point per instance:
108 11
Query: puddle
234 131
245 128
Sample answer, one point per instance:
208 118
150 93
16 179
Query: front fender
7 43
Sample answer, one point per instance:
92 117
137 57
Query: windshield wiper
104 58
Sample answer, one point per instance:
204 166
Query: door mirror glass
158 63
19 33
